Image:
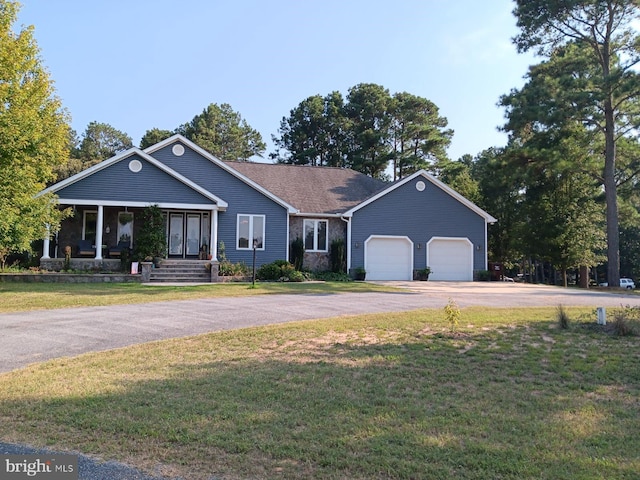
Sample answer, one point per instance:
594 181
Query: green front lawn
508 396
16 297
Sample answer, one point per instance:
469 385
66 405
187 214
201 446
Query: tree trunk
584 276
611 197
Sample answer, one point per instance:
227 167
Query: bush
151 241
228 269
484 275
563 317
625 321
297 253
279 271
338 256
452 314
332 277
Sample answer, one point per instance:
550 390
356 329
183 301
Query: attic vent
135 166
420 186
178 150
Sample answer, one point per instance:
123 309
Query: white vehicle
624 283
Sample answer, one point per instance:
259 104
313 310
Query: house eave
134 204
318 215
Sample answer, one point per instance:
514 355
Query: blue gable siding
242 199
420 216
117 183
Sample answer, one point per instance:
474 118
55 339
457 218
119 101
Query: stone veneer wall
317 261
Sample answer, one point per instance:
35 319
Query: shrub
151 241
279 271
228 269
484 275
332 277
452 314
297 253
563 317
625 321
338 256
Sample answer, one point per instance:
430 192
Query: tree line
564 189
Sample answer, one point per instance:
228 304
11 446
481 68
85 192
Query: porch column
99 223
46 244
214 235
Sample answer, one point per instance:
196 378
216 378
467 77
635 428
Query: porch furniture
117 250
86 249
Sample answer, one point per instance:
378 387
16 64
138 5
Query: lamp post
253 281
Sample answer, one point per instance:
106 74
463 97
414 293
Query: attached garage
450 259
388 258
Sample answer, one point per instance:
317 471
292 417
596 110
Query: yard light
255 245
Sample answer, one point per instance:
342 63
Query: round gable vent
420 186
178 150
135 166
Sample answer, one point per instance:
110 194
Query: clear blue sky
140 64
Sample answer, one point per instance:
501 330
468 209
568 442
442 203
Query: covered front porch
96 235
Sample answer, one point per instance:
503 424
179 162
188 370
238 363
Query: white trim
115 203
472 206
348 221
458 239
46 246
148 158
177 137
390 237
316 221
99 228
213 249
318 215
264 231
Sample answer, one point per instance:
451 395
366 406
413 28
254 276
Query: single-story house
390 229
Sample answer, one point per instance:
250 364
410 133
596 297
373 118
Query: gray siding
242 199
118 183
420 216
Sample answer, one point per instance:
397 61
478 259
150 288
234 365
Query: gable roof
423 173
124 155
312 190
224 165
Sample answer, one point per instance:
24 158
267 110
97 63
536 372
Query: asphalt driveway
36 336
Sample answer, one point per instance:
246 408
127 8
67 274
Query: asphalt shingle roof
325 190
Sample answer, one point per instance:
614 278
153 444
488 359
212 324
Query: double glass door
184 234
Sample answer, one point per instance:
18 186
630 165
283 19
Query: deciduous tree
33 138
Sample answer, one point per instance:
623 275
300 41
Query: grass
509 395
16 297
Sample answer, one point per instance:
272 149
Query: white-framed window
250 230
316 235
89 225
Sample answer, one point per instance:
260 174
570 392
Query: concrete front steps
182 271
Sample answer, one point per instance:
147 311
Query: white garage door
450 259
388 258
